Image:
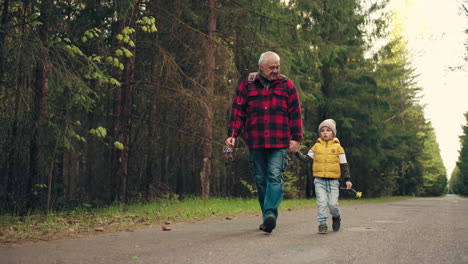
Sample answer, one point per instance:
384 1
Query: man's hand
348 185
230 142
293 146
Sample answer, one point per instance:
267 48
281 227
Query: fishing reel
228 154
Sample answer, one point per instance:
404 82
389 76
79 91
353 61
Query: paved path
421 230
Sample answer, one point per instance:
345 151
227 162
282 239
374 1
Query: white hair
269 55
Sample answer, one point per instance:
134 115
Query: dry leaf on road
166 228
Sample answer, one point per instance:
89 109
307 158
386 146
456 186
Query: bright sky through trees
435 33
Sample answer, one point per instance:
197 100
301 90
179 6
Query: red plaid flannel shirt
270 118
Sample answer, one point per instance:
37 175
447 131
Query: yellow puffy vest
326 161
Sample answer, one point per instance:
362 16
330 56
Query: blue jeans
267 166
327 192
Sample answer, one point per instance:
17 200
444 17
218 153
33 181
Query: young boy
329 166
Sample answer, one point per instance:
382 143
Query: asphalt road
421 230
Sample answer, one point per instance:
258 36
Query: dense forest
458 182
106 101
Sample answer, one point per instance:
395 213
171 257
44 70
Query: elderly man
266 106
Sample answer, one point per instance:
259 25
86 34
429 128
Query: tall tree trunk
12 151
8 149
117 127
40 108
4 21
123 101
72 174
153 174
207 130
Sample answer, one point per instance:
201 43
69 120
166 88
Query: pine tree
462 163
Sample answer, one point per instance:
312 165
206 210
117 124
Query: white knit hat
328 123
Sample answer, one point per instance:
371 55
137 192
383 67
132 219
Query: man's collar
262 76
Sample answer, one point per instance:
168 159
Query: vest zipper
326 159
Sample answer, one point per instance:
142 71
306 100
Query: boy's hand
349 185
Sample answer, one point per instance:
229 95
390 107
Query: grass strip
85 221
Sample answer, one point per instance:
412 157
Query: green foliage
147 24
252 189
118 145
455 184
434 174
290 190
91 33
99 131
324 49
459 180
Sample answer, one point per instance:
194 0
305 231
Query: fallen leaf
99 229
147 223
166 228
167 222
228 218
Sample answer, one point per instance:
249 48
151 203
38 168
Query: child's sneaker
336 223
322 229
